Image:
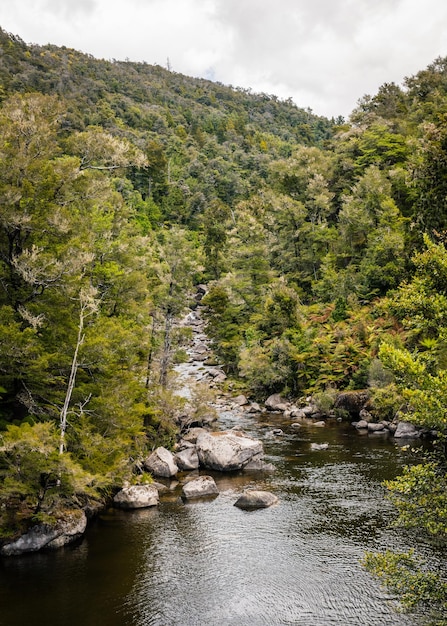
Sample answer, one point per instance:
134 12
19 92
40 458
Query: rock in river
200 487
227 451
276 403
253 499
67 529
136 497
161 463
187 459
405 430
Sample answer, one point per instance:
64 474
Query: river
209 563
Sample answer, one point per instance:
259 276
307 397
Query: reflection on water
211 563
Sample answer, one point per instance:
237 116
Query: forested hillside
124 184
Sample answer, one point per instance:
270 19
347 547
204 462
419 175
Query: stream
209 563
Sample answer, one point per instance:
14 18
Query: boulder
298 413
200 348
227 450
199 488
276 403
215 372
240 400
405 430
253 499
220 378
161 463
136 497
187 459
375 428
254 408
361 425
66 530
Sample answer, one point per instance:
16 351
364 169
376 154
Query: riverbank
198 450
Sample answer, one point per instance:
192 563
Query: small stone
319 446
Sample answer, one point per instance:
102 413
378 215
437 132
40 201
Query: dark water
209 563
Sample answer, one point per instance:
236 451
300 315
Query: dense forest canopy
123 184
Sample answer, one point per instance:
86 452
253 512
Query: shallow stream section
209 563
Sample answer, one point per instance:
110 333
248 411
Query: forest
322 244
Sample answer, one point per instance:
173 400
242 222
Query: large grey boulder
241 400
276 403
199 488
161 463
136 497
253 499
187 459
227 451
376 428
66 530
253 408
405 430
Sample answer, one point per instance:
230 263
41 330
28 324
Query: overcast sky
324 54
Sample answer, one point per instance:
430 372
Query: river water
208 563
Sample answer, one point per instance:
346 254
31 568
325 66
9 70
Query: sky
323 54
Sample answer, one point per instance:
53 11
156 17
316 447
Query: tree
421 379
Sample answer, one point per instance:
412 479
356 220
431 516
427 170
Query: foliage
420 496
415 587
36 479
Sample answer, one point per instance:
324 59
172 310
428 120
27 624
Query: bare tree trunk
88 306
71 381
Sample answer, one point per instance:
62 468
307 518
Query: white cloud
325 54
